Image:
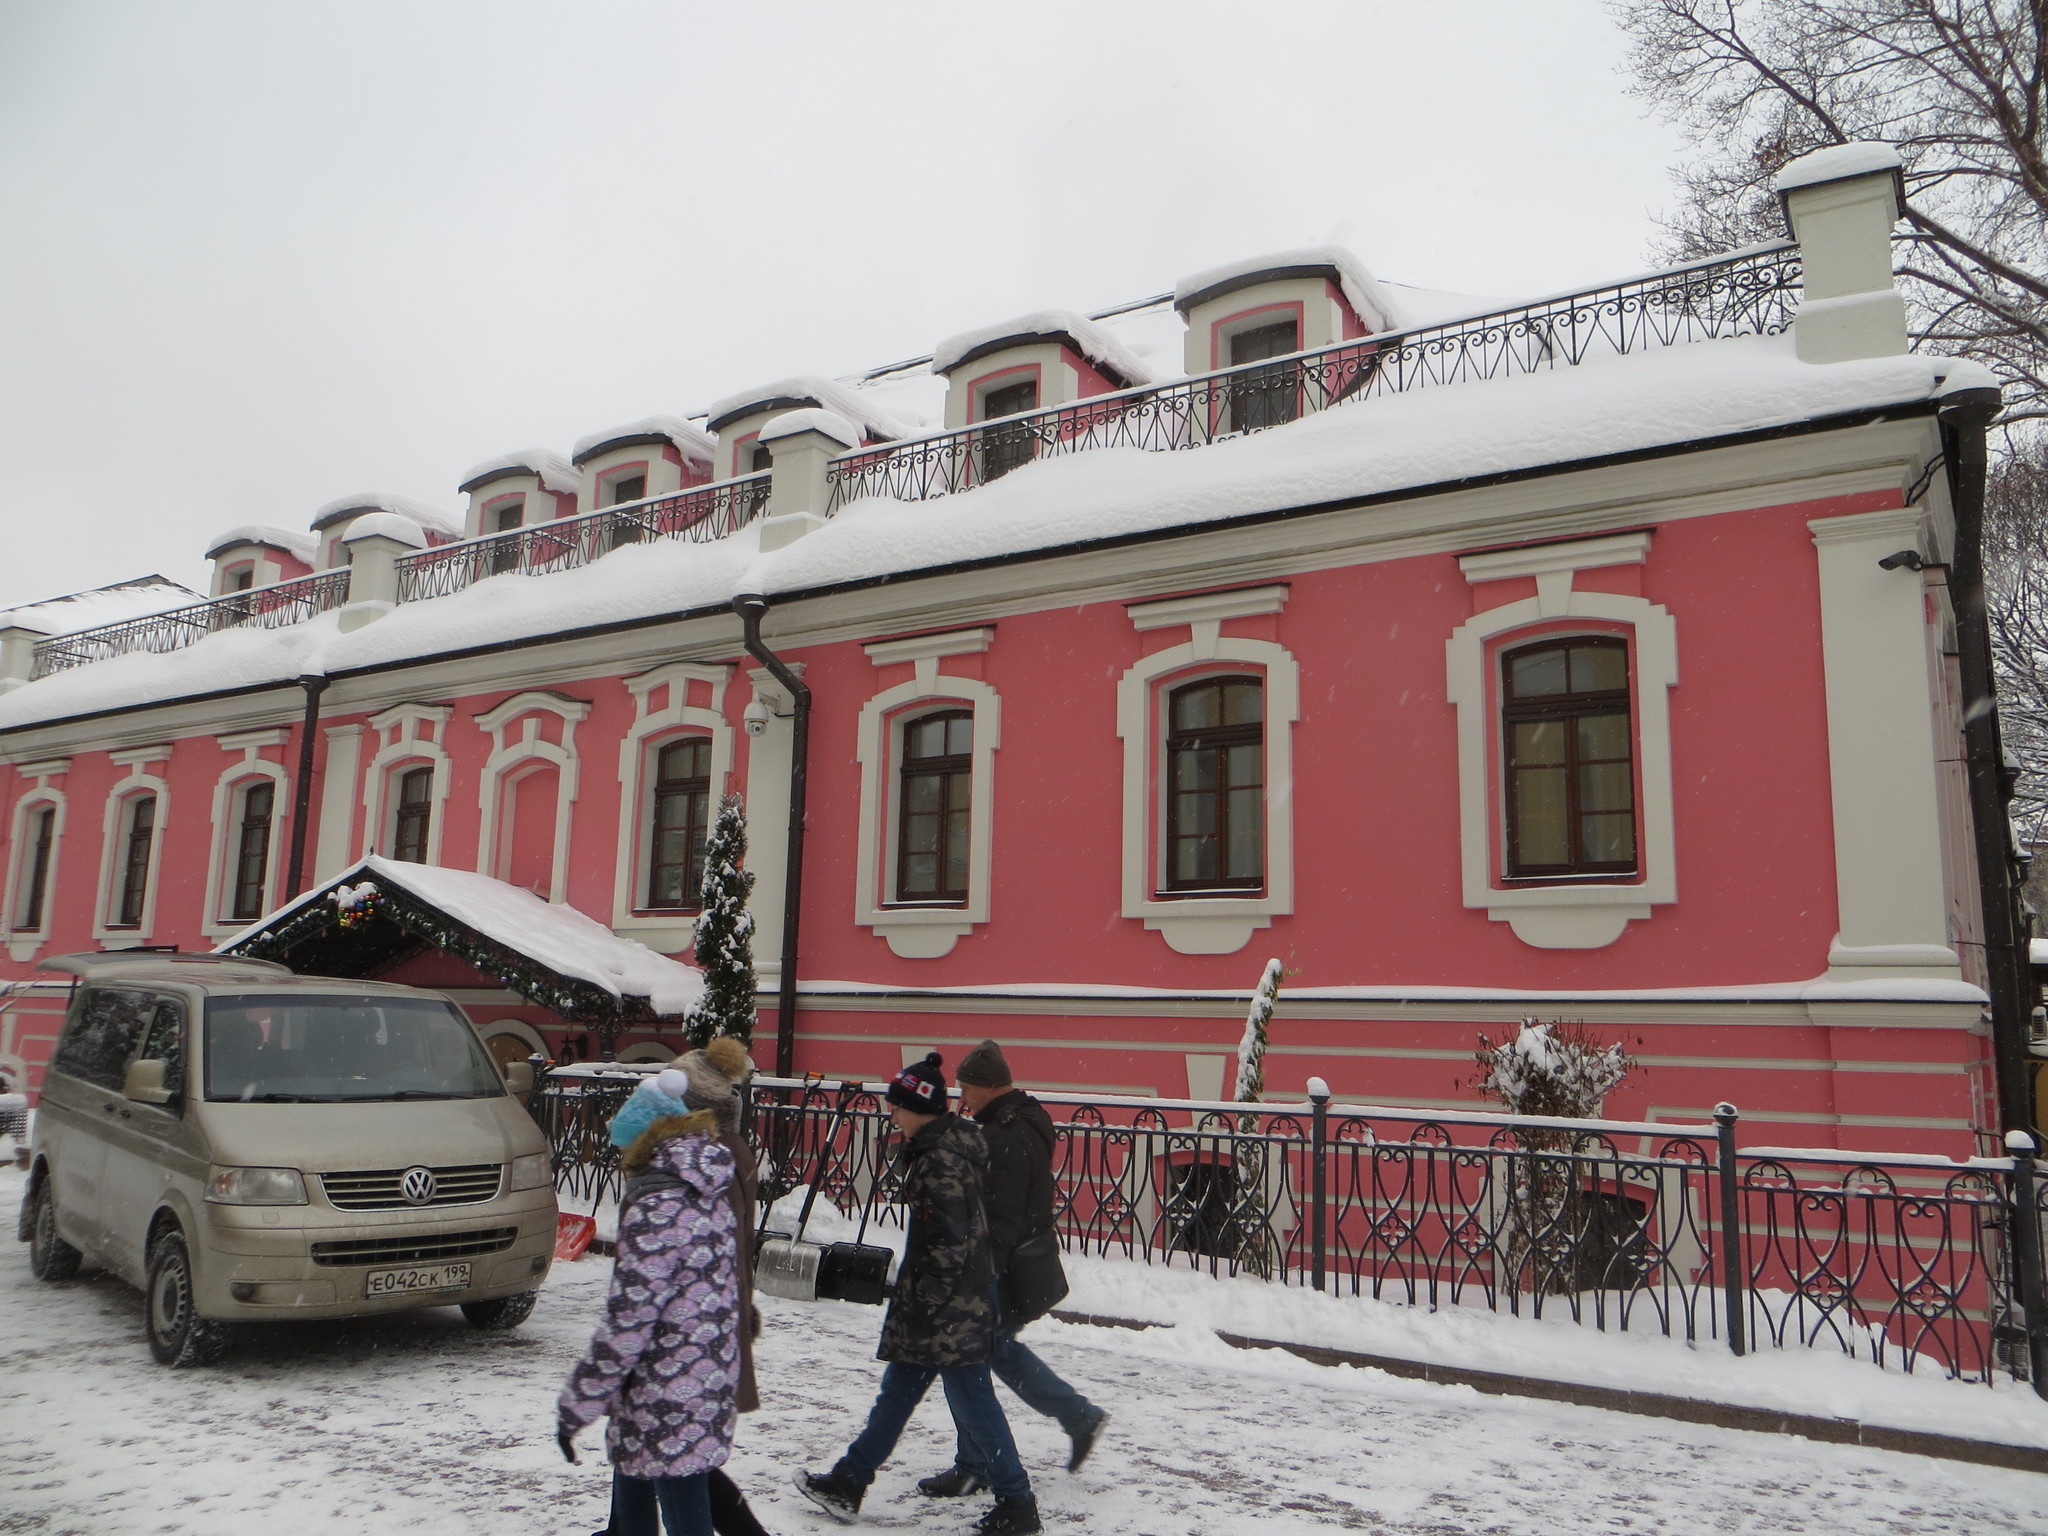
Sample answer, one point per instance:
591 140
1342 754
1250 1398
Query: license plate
432 1277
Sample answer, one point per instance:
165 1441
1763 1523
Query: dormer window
762 457
504 516
1003 448
1264 397
624 488
240 579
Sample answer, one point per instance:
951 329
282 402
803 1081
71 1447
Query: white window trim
22 946
668 932
1578 914
1205 925
114 846
519 1027
227 825
409 734
511 759
923 933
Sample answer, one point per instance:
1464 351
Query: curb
1690 1410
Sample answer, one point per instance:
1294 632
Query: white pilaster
338 801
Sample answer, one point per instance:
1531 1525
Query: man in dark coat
1019 1194
942 1321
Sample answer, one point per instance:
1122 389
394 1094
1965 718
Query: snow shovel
797 1270
572 1235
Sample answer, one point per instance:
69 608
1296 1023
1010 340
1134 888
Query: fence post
1318 1177
1734 1306
2026 1242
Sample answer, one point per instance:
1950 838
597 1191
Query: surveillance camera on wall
755 718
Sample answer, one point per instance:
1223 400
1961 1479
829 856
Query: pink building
1602 659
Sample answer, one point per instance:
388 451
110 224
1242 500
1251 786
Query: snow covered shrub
1551 1069
725 933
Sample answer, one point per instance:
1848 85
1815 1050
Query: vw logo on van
417 1185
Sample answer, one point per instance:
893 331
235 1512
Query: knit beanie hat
984 1067
704 1079
920 1087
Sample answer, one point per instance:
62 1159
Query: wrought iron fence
700 515
1747 294
272 607
1908 1261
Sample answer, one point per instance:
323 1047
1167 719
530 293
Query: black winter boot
833 1492
729 1513
1082 1441
951 1483
1011 1517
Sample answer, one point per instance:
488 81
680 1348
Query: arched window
681 822
1216 785
414 816
936 807
1570 769
252 850
39 840
141 821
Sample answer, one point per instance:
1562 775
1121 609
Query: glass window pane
1194 859
1538 742
1241 704
1194 770
1541 833
922 793
1598 668
1196 707
1244 763
960 736
1603 736
1194 815
1606 787
1610 839
920 872
1536 673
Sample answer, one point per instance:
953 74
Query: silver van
247 1144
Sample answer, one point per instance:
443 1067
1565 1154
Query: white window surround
1574 914
114 846
1205 925
921 932
648 1051
516 1027
409 735
511 759
667 932
22 944
227 825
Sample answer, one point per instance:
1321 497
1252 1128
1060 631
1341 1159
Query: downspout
302 794
750 606
1965 417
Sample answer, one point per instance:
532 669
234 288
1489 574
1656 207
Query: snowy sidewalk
418 1424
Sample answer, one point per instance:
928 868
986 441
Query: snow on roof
389 525
1835 163
556 936
344 507
1096 342
556 473
690 441
805 388
302 545
1361 289
1382 446
830 423
1413 308
123 600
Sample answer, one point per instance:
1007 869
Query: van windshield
294 1049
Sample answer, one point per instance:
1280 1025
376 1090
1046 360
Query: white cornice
1631 548
912 648
1208 607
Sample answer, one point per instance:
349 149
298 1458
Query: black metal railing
272 607
1750 293
1910 1261
700 515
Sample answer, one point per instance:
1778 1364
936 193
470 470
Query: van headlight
255 1186
530 1171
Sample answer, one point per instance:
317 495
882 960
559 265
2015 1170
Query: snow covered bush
725 933
1551 1069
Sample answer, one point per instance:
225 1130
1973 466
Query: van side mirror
519 1077
145 1083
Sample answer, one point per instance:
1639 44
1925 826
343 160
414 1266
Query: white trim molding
22 943
670 933
408 733
1205 925
113 844
511 760
923 932
1576 914
227 789
339 798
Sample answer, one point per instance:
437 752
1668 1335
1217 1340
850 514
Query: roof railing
273 607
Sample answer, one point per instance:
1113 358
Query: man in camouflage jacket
942 1321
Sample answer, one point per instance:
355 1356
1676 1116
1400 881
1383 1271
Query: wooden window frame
39 847
1218 741
1568 708
412 822
956 771
249 874
661 789
137 843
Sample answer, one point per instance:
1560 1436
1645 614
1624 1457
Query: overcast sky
258 255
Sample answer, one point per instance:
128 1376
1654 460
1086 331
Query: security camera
755 718
1909 558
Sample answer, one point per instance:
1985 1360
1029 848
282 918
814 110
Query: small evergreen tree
725 933
1251 1050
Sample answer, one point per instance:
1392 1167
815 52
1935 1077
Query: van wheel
502 1315
49 1256
178 1335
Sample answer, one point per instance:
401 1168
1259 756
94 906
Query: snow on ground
417 1424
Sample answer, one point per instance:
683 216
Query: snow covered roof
830 423
1360 288
689 441
1093 341
805 389
556 473
1836 163
344 507
550 934
389 525
298 544
113 604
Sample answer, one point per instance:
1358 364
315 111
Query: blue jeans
978 1417
1035 1382
684 1505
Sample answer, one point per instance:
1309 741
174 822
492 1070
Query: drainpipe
1965 416
302 795
750 606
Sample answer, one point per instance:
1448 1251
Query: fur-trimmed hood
642 1150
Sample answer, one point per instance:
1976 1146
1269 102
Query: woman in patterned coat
664 1364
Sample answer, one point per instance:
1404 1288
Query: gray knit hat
984 1067
711 1072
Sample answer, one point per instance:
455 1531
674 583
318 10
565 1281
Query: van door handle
106 1109
127 1115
